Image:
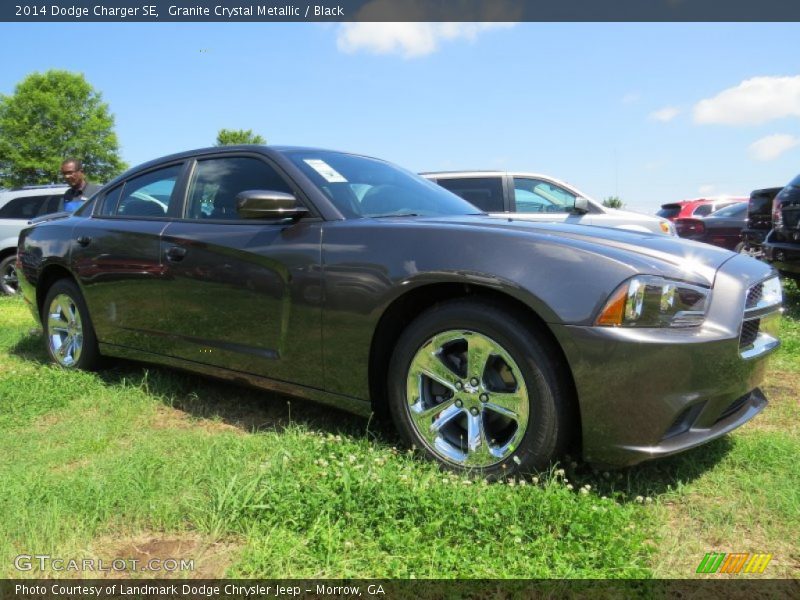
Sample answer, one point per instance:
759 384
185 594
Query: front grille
749 333
753 296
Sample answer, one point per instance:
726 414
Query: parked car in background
492 343
698 207
782 245
759 222
17 207
536 197
721 228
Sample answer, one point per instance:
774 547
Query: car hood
649 251
629 214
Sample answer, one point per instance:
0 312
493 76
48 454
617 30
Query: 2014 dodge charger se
493 344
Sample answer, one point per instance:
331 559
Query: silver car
536 197
17 208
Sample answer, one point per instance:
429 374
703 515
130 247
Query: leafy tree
613 202
52 116
230 137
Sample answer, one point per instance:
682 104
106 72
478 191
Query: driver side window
539 196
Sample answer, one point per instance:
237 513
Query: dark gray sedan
493 344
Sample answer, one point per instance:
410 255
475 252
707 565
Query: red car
698 207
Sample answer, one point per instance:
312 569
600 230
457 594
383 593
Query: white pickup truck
17 207
536 197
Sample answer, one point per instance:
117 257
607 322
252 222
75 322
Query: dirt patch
165 555
168 417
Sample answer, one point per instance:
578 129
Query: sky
649 112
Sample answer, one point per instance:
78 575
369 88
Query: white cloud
772 146
410 40
631 98
752 102
665 114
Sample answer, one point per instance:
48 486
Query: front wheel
479 389
68 331
9 282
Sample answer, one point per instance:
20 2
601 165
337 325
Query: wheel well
7 252
408 306
48 277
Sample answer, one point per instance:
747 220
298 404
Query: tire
69 335
505 413
9 283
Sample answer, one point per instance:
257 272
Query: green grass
251 484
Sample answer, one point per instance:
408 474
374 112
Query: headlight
667 227
651 301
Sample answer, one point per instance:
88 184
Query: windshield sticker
330 174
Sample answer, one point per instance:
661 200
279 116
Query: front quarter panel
369 263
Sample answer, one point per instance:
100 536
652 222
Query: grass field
138 462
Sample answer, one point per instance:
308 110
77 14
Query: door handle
84 240
176 253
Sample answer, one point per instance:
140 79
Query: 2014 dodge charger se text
493 344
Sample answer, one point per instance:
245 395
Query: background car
698 207
493 344
759 221
782 245
721 228
17 207
536 197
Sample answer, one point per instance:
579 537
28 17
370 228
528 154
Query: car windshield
366 187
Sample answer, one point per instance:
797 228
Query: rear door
243 294
116 257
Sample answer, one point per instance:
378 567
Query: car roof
33 190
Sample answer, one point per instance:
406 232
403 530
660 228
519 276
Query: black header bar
199 11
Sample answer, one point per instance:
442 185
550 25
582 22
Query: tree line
56 115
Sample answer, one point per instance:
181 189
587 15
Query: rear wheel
69 335
9 282
478 389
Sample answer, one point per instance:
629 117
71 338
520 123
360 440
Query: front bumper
647 393
784 256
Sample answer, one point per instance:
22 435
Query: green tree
52 116
613 202
230 137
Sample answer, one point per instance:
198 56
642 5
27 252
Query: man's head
72 172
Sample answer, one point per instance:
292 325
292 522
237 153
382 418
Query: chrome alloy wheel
64 331
9 279
467 399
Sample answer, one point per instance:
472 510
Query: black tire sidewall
8 259
89 352
544 438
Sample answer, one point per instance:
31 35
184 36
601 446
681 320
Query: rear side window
484 192
24 207
148 196
52 204
217 181
702 210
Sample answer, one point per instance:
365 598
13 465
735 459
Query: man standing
79 189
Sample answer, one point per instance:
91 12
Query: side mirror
268 204
581 206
